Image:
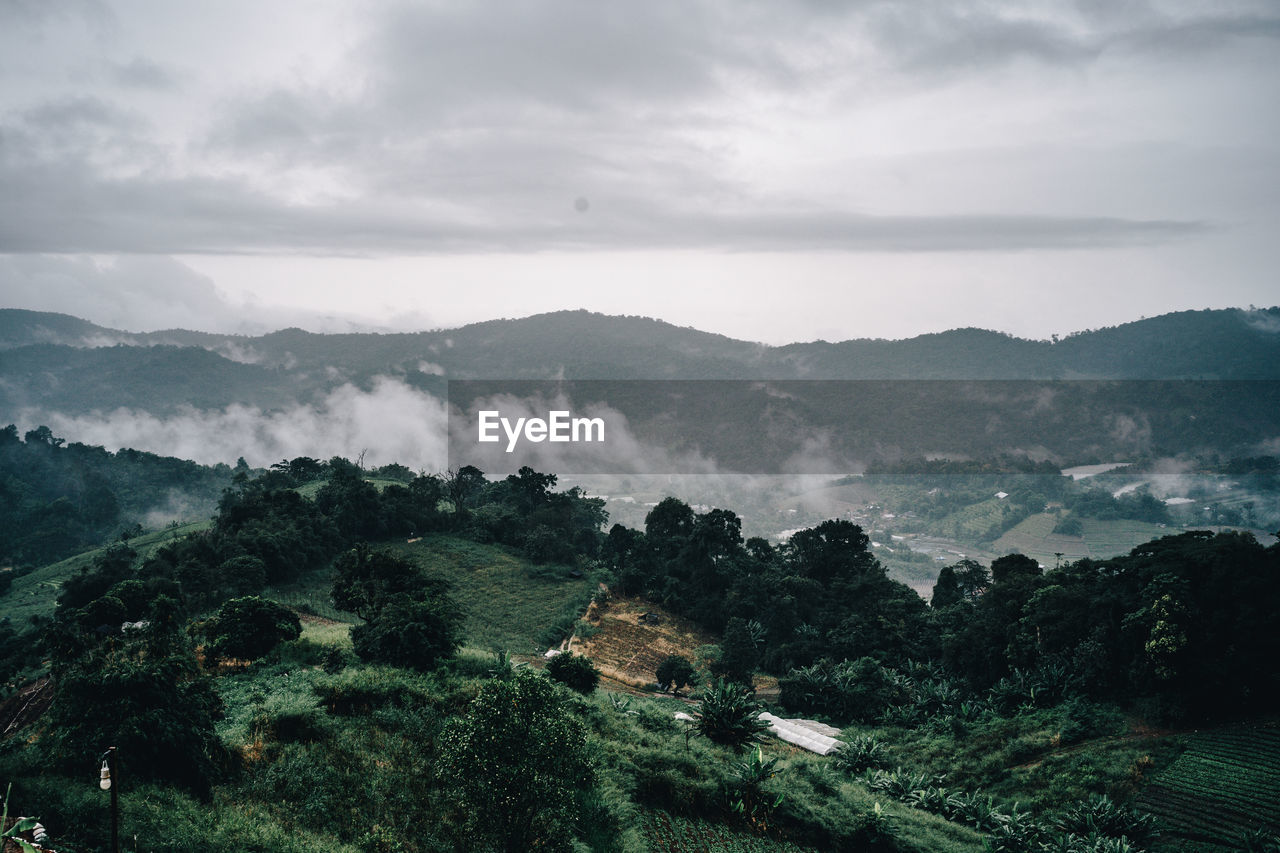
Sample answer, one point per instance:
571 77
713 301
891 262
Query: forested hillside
57 498
1021 708
34 348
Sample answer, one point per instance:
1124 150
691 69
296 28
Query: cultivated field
628 650
1034 537
1226 783
666 833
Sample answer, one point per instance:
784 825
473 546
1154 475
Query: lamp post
108 782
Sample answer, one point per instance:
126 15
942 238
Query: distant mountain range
54 362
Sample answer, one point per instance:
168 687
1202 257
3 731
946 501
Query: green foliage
675 672
409 632
250 627
58 498
146 696
1259 840
739 651
860 752
748 800
729 715
10 833
574 671
859 690
409 618
513 765
1101 816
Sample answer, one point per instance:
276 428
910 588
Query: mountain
56 363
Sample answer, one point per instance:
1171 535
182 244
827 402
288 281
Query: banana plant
21 825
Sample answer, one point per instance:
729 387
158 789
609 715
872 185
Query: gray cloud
449 128
142 73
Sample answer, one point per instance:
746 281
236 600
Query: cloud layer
465 128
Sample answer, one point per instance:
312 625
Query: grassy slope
508 601
35 594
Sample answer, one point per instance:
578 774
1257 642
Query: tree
675 672
405 631
574 671
834 550
512 767
250 627
739 651
145 694
1013 567
365 578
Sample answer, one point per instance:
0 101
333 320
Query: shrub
574 671
729 715
512 767
410 633
1101 815
859 753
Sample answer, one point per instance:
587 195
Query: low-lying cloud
392 422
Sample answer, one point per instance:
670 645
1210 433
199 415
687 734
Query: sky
774 171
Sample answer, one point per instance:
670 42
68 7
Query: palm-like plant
748 799
859 753
729 715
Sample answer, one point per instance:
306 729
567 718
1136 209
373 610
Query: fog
392 422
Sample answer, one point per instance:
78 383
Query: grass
1025 758
668 833
508 601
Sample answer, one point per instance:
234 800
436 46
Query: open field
628 650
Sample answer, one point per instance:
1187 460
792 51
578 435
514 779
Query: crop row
674 834
1221 786
1197 816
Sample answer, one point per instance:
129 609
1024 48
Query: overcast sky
773 171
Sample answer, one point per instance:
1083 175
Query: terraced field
1227 782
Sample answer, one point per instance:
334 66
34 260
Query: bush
859 753
513 766
574 671
1103 816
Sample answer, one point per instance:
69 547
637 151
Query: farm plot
627 647
668 833
1227 782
